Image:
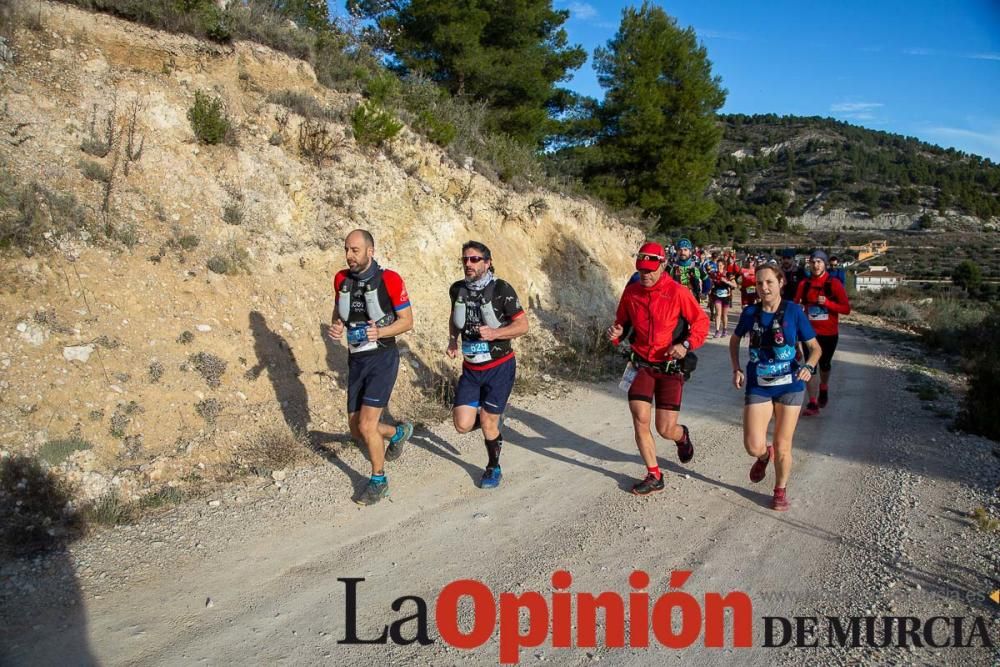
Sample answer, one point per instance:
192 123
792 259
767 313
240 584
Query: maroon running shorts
666 388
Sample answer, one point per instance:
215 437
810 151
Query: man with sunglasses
373 307
666 322
486 316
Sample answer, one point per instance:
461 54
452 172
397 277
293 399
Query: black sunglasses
648 258
472 259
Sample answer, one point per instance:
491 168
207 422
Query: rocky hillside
823 174
165 301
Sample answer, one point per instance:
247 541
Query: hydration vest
757 334
482 300
685 275
815 311
775 367
370 292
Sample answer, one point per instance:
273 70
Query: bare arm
513 329
815 352
734 360
403 323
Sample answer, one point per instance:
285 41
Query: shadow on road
43 618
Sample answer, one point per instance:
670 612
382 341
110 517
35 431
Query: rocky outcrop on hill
186 305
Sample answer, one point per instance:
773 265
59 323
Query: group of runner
790 315
373 307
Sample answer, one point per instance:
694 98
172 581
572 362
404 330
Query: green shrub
232 213
94 171
208 119
33 218
441 132
155 371
383 89
188 242
303 104
900 311
208 409
162 497
951 321
110 510
209 366
373 126
272 447
55 452
218 264
317 141
981 408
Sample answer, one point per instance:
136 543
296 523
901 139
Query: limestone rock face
191 360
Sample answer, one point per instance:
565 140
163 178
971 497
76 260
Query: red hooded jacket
809 291
653 313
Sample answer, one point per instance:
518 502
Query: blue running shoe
491 478
396 442
374 492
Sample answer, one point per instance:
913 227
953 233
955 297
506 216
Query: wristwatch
686 343
811 369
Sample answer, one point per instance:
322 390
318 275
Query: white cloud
582 10
919 52
708 33
984 56
855 108
956 133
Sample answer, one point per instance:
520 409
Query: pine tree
660 135
508 53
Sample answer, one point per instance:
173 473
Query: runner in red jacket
652 308
824 299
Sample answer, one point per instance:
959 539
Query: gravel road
879 526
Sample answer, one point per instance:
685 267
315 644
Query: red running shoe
759 468
779 502
811 410
685 448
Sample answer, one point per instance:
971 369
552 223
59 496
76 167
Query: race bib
774 375
476 351
818 313
752 289
722 292
357 339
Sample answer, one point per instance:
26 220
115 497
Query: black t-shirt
792 278
506 306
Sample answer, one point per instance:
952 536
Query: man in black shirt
486 316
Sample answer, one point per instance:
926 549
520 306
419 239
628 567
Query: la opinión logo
569 619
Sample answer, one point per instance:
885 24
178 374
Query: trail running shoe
824 397
648 485
374 492
811 410
779 503
759 468
395 448
685 448
491 478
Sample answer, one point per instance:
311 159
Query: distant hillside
776 173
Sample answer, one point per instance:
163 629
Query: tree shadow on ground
42 616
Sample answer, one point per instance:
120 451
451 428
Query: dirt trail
853 543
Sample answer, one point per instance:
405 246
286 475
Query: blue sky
929 69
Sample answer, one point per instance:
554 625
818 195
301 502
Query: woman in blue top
774 380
